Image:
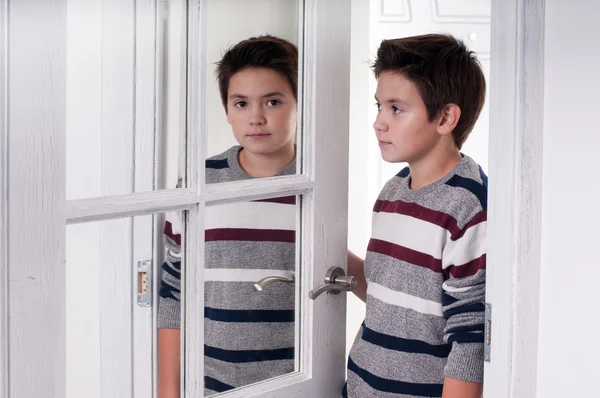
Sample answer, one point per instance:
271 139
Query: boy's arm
463 306
356 268
454 388
169 310
168 363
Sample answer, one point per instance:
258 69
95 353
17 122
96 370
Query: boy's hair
444 71
259 52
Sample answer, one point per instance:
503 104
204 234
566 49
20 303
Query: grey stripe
251 255
241 296
402 322
405 277
242 374
390 363
249 336
357 388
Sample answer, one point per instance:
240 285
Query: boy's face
402 126
262 110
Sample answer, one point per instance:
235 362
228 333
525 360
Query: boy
423 278
249 335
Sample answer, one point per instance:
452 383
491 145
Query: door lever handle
335 281
260 285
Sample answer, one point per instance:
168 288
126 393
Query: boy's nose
257 117
379 125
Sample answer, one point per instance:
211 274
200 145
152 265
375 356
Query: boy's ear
449 117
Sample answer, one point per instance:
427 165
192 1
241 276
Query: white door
38 211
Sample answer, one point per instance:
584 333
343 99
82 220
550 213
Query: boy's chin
392 157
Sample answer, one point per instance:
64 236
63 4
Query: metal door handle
264 282
335 281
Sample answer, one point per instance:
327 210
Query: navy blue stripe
217 164
405 172
476 337
475 307
345 390
395 386
165 292
216 385
404 345
480 191
245 356
471 328
220 315
483 177
448 299
169 270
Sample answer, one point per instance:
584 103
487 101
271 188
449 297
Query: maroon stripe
286 200
252 235
405 254
168 230
478 219
438 218
468 269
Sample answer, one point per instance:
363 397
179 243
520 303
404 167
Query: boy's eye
273 102
378 105
396 109
240 104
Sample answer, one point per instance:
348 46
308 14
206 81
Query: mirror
251 95
250 263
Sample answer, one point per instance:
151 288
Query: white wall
568 348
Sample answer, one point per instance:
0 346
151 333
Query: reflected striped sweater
249 335
425 270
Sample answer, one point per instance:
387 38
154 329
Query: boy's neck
433 166
260 166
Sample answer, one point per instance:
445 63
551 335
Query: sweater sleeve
169 304
463 300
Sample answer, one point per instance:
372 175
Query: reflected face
403 129
262 111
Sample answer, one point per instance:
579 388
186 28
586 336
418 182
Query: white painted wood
117 206
257 189
3 199
515 196
196 88
192 291
144 178
324 208
118 127
36 198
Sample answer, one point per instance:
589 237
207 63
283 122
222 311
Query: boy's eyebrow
393 100
271 94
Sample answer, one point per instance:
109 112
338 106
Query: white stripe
404 300
252 215
451 289
241 274
470 246
410 232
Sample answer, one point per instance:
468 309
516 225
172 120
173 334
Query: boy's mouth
384 143
258 136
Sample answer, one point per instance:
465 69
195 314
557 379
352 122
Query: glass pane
250 295
112 270
252 88
250 292
125 96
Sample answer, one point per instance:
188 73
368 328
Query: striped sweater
425 271
249 335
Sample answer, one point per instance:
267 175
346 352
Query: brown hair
444 71
259 52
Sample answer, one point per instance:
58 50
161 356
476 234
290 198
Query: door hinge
144 282
487 346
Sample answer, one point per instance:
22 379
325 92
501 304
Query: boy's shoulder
224 167
462 194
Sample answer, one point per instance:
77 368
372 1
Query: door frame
38 88
515 196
